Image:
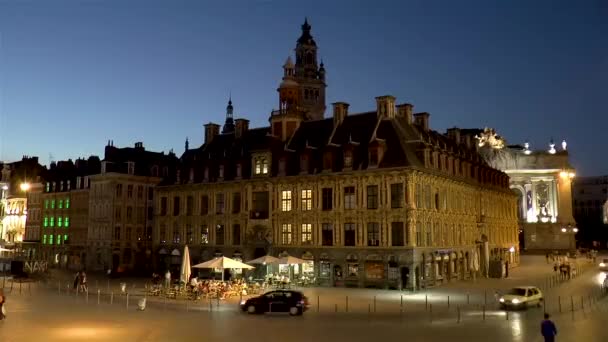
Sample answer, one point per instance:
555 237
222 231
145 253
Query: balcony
258 215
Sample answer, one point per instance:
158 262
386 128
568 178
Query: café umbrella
223 263
186 270
265 260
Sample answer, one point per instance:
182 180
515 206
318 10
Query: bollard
108 285
112 298
484 312
218 300
431 313
402 302
127 302
468 299
369 308
559 303
485 297
20 284
458 311
374 304
346 304
318 303
210 306
336 307
448 302
507 315
572 306
426 302
98 296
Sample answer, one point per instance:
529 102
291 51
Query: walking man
548 329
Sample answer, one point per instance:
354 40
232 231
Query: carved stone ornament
490 138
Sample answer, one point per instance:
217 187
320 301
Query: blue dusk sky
74 74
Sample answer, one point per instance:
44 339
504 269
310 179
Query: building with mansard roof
367 199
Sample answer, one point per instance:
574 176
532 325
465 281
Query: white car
604 265
521 297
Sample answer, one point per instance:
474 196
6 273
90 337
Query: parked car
604 265
521 297
293 302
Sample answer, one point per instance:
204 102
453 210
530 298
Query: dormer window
206 174
220 171
282 166
328 161
239 170
373 156
348 159
261 165
48 187
61 186
104 165
304 163
154 171
78 182
191 176
131 168
165 171
68 185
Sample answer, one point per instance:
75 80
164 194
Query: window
128 234
429 235
286 234
51 239
372 197
66 221
236 202
163 233
131 168
373 156
118 190
261 166
44 236
306 199
117 233
327 234
348 159
418 234
282 166
349 197
48 187
150 194
397 195
129 191
117 213
349 234
304 168
60 221
306 233
163 206
129 213
397 234
175 206
220 205
236 234
286 200
60 204
67 203
204 234
327 194
189 205
46 203
219 234
52 204
140 192
239 171
176 234
46 221
204 205
260 205
373 234
220 171
52 221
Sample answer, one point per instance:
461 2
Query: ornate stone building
590 195
542 181
368 199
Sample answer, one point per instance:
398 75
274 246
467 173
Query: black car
293 302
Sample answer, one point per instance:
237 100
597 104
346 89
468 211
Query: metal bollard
572 306
336 307
507 315
484 312
112 298
318 303
20 284
468 299
448 302
458 311
374 304
127 302
98 296
426 302
485 298
346 307
431 313
559 303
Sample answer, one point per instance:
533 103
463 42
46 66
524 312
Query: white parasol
186 271
223 263
289 260
265 260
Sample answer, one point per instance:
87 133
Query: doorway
405 277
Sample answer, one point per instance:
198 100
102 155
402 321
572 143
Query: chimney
422 120
454 134
385 106
340 112
467 140
405 111
139 145
211 131
241 127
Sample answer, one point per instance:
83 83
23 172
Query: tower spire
229 124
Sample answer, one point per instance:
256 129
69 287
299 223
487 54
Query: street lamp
25 186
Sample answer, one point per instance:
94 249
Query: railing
258 215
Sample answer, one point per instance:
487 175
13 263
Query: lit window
60 204
59 239
52 221
306 199
46 203
44 238
67 203
306 233
52 204
261 166
46 221
286 200
65 237
59 221
286 234
349 197
50 239
66 222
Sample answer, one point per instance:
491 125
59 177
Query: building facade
542 181
590 195
33 223
368 199
121 207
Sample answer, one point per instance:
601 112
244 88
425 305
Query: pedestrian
83 282
168 279
547 257
76 280
2 307
548 329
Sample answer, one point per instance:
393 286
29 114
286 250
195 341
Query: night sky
74 74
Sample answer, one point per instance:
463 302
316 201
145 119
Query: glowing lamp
563 230
512 249
5 187
571 175
575 230
563 174
25 186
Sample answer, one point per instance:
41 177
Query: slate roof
145 161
